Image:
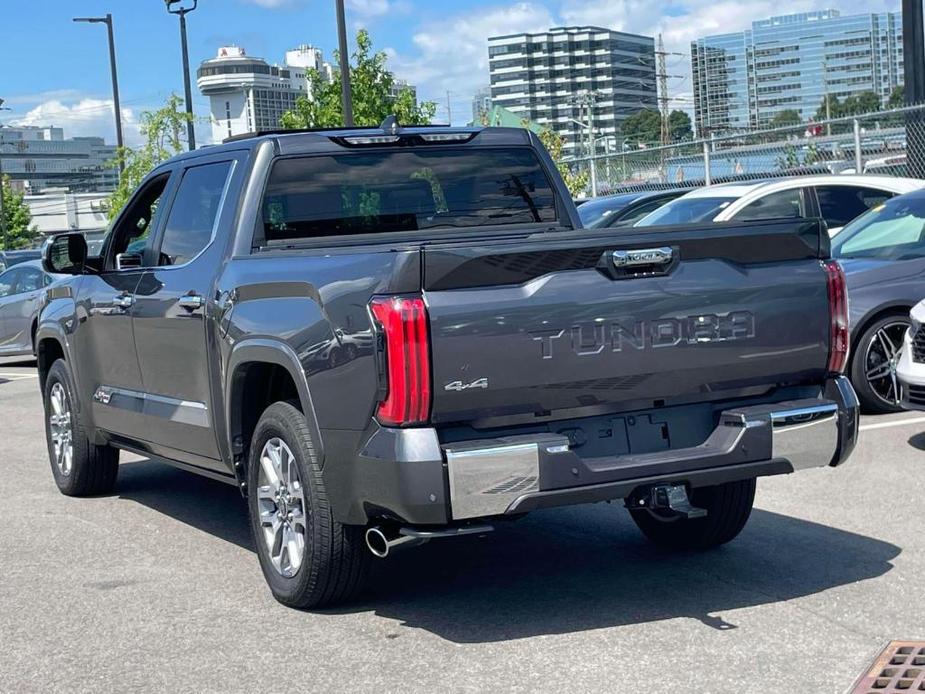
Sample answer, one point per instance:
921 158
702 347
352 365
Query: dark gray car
624 209
883 255
21 290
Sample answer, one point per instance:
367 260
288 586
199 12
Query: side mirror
65 254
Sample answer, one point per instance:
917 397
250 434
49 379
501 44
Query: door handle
123 301
191 302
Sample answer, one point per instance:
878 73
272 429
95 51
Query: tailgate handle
643 257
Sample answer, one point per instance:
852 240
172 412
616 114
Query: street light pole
107 20
346 89
181 12
2 214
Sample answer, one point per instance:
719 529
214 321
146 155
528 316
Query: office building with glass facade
742 80
549 77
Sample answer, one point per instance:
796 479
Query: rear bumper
509 476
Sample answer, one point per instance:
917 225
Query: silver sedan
21 290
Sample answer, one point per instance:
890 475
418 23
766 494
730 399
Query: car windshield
686 210
891 231
374 192
593 212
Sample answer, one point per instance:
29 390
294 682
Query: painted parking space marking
894 423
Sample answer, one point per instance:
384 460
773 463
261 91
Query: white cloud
453 54
83 118
369 8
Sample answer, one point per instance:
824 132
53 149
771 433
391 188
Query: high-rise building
248 94
552 77
37 158
481 104
742 80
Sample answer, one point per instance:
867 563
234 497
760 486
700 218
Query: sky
56 72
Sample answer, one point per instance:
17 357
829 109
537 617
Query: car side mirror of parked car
66 254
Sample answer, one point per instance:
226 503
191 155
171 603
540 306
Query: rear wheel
308 558
80 468
728 507
873 368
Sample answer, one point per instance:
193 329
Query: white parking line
18 377
894 423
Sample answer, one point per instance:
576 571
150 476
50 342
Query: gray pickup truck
387 336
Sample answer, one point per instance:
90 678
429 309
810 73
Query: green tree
835 108
163 132
17 219
897 97
679 125
575 181
644 126
373 99
785 118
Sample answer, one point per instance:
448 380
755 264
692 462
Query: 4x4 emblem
459 386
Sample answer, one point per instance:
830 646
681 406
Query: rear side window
391 191
193 213
840 204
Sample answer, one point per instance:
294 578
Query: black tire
336 561
728 507
93 469
871 401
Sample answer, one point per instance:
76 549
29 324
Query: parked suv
385 336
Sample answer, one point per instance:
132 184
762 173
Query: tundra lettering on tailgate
615 336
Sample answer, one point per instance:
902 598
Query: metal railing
888 142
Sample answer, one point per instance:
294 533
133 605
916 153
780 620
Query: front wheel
307 557
80 467
728 508
873 368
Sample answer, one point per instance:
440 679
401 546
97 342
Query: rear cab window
389 191
840 204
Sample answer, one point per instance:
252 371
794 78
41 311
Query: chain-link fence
887 142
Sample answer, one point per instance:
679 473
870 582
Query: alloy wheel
881 357
62 437
281 505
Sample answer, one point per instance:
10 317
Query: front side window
30 279
394 191
784 204
193 213
7 280
136 223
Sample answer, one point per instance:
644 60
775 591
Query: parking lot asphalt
156 588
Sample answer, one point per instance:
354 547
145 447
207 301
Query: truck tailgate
554 324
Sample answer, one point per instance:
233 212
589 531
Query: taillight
403 323
838 312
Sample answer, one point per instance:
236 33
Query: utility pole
828 105
663 89
449 109
914 73
2 214
346 88
107 20
181 12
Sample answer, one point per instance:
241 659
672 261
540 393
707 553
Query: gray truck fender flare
269 351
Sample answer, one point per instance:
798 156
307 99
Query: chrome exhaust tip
377 542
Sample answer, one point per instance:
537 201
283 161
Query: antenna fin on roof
390 125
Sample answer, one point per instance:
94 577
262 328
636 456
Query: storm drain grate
900 667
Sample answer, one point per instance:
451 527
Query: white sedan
836 198
910 368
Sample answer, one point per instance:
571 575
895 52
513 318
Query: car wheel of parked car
873 367
728 507
307 558
80 467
